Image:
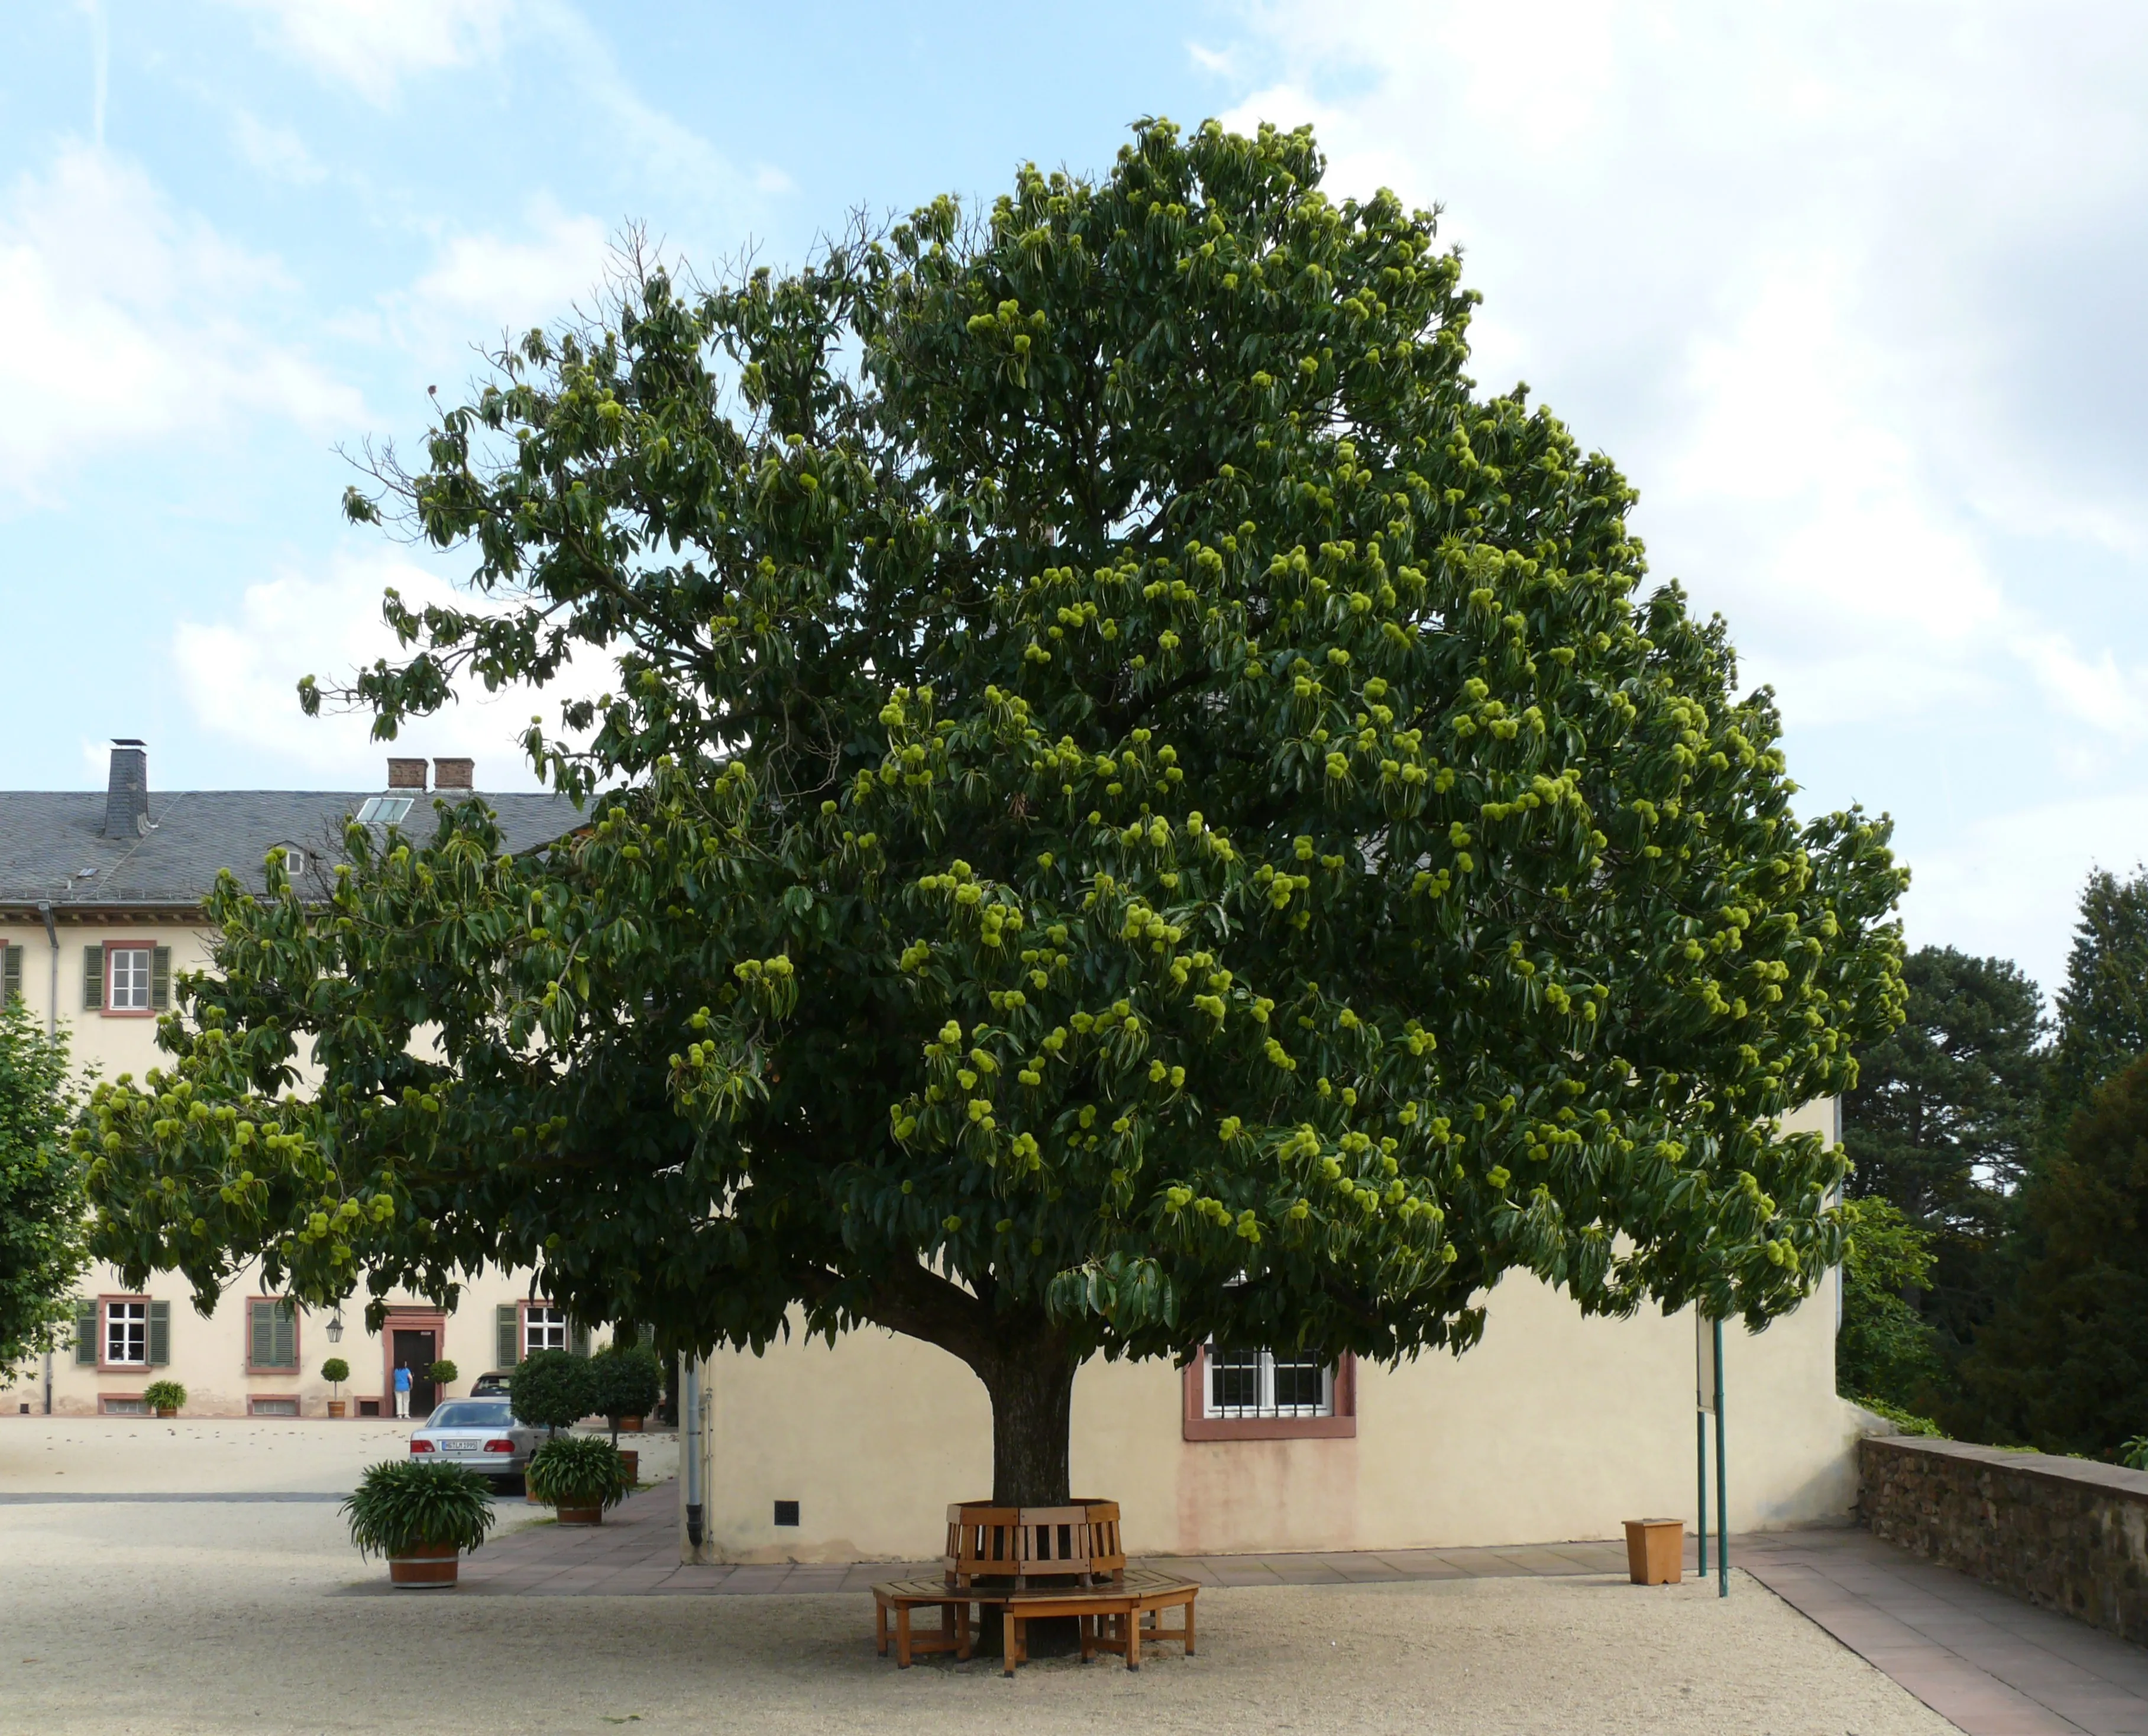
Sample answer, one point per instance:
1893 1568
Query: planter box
633 1464
166 1411
336 1406
1655 1550
424 1566
581 1515
630 1425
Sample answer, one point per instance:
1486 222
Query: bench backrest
1022 1543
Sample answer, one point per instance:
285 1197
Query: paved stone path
1993 1664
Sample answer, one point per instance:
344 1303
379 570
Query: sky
1851 291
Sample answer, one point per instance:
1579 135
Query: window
272 1407
543 1328
1247 1394
1244 1383
294 860
109 1405
11 973
127 1334
383 810
272 1336
129 969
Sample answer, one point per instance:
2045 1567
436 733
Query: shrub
335 1371
552 1389
400 1503
2134 1453
444 1373
629 1380
1909 1422
165 1395
579 1471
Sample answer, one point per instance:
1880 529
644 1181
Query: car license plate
459 1446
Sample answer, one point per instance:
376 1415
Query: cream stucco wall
1553 1426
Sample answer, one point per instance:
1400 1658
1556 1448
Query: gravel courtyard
236 1616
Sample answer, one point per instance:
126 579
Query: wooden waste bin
1655 1550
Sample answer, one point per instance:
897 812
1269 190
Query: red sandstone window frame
1196 1424
109 1398
104 1365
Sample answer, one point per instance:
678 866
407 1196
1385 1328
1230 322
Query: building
100 906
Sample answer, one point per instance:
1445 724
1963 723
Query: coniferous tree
2065 1365
2103 1009
1943 1121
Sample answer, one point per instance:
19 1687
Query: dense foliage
2103 1008
579 1471
401 1503
552 1389
43 1215
2065 1365
164 1395
1944 1123
1885 1350
1135 805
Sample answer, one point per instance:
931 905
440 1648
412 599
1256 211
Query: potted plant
629 1380
165 1397
421 1514
336 1371
443 1374
552 1389
579 1476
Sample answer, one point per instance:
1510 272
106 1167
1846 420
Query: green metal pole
1722 1497
1700 1456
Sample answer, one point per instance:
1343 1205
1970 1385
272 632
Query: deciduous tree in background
1135 805
43 1215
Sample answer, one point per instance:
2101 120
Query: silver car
481 1433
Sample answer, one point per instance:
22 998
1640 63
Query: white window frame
543 1328
384 809
1263 1365
126 1322
139 979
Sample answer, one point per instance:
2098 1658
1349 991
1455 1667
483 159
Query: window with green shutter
578 1338
160 1334
85 1330
10 974
160 978
272 1335
507 1335
93 977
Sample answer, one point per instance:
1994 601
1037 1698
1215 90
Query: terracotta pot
425 1564
1655 1550
581 1515
633 1464
630 1425
166 1411
336 1406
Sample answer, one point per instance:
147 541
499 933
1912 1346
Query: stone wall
2067 1533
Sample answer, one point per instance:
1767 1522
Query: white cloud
128 322
511 283
372 45
239 678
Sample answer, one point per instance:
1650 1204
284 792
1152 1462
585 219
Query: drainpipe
52 1033
690 1447
53 992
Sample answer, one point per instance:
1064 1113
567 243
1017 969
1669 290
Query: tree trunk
1032 1415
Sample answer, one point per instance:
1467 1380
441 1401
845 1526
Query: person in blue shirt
403 1389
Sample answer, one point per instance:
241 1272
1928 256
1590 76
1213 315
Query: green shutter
284 1318
160 977
85 1329
10 974
507 1335
93 977
257 1333
160 1334
578 1338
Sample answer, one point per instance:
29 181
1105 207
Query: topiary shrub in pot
443 1374
630 1380
552 1389
166 1397
421 1514
579 1476
336 1371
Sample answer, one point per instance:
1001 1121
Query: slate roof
53 846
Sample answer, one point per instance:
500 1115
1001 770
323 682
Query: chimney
127 795
454 774
406 774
